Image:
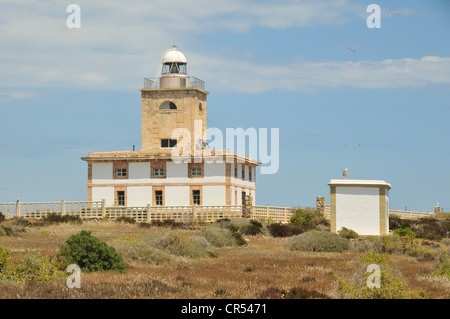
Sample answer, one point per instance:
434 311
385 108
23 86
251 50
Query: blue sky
267 64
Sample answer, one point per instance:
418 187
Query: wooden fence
99 210
272 213
37 210
401 213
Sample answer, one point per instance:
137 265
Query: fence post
194 214
18 208
149 214
103 208
63 207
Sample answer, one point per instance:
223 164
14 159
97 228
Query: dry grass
237 272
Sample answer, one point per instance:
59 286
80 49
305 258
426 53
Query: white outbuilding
360 205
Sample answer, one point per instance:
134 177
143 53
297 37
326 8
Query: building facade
153 175
360 205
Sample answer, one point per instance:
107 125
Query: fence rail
272 213
402 213
153 83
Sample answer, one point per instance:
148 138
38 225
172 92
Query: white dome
173 55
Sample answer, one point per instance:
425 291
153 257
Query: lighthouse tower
151 177
172 100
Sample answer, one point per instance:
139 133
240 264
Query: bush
308 218
284 230
443 267
163 248
2 217
90 253
348 233
320 241
405 232
34 267
222 237
167 223
55 218
393 244
5 231
253 228
5 254
373 257
430 228
178 245
22 222
124 219
391 287
396 222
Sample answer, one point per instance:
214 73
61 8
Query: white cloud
120 43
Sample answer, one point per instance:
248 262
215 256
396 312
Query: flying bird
352 50
353 147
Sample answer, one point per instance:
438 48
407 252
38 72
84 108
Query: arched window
168 106
200 107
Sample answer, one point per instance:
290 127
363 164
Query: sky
312 69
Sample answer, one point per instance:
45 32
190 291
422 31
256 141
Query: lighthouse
171 100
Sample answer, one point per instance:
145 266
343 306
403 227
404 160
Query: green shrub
393 244
5 231
430 228
284 230
253 228
222 237
391 287
320 241
124 219
142 252
5 254
90 253
175 244
167 223
405 232
308 218
55 218
2 217
22 222
163 248
443 267
34 267
396 222
348 233
373 257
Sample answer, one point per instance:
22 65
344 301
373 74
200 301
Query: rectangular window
158 172
250 173
165 142
243 172
121 172
121 198
196 197
196 171
158 197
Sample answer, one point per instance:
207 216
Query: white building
151 176
360 205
